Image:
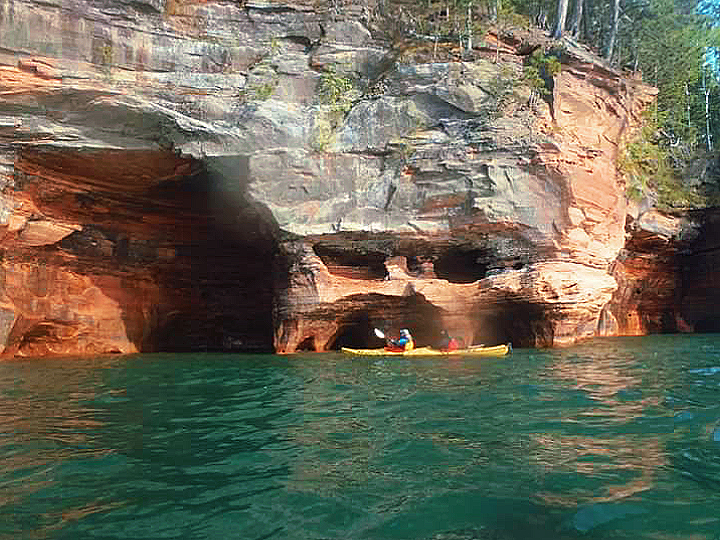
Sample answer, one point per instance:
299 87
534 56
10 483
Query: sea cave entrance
512 320
221 291
389 314
176 242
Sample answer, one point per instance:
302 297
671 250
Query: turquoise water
615 439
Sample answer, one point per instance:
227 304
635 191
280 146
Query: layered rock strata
181 175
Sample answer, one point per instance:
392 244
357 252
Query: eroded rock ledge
173 179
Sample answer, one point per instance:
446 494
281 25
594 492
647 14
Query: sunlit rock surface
174 177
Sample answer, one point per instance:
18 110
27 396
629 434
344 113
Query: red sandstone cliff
173 179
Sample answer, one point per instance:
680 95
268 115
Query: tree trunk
637 57
708 136
613 32
577 20
541 15
707 120
561 17
497 26
469 27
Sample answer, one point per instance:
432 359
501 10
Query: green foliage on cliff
265 90
511 14
260 87
321 133
502 88
540 69
649 171
336 91
335 96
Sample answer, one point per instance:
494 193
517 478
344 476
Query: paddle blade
379 333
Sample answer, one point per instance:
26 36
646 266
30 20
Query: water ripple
614 439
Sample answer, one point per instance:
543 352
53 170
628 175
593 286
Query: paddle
379 333
389 342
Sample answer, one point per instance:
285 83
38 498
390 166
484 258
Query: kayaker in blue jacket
405 342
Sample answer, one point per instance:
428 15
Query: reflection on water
607 426
43 425
611 440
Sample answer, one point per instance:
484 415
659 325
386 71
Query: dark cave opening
308 344
513 321
461 266
389 314
196 254
708 325
222 290
356 332
352 264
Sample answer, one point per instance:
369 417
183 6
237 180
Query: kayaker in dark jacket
448 343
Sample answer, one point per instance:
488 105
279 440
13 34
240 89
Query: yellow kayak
497 350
